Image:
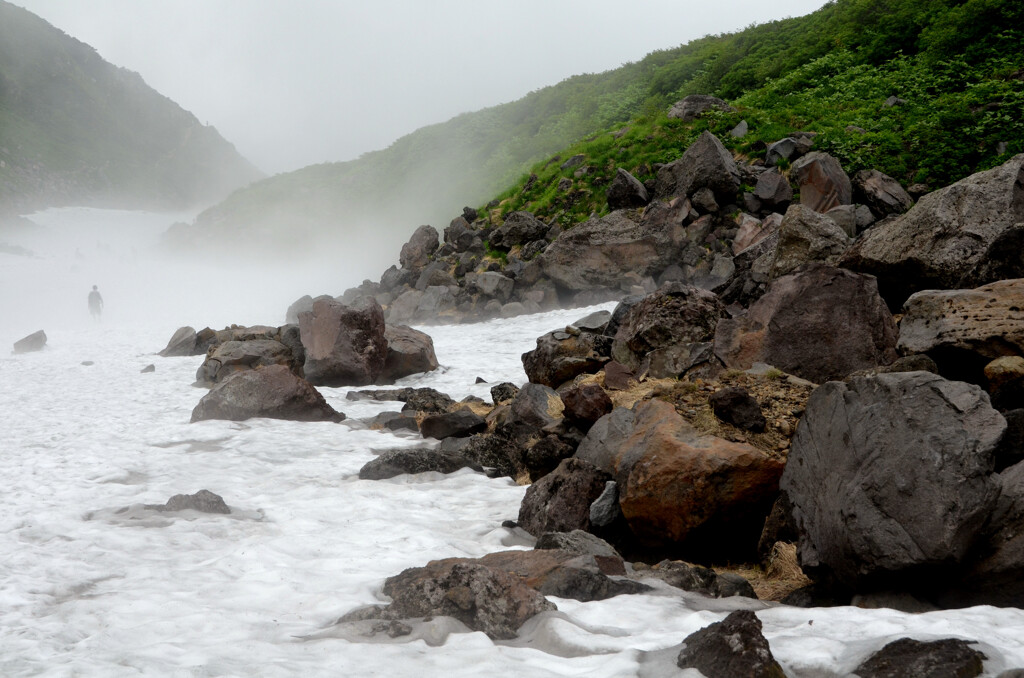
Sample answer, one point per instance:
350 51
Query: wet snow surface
94 584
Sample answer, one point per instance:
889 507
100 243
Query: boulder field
796 357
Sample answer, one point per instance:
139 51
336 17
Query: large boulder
881 193
537 406
964 235
822 181
416 253
490 284
962 330
518 228
345 345
773 188
669 331
705 164
626 191
560 501
695 105
33 342
819 323
561 356
181 343
681 489
909 658
806 236
600 253
409 352
237 356
996 577
273 392
483 598
890 478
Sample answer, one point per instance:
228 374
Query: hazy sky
296 82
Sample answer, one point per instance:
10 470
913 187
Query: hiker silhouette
95 303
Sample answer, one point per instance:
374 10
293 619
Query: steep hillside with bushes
75 129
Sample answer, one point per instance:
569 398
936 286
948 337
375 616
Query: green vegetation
958 64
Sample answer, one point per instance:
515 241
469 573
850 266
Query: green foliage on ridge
957 63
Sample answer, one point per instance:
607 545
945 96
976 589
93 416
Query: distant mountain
75 129
955 65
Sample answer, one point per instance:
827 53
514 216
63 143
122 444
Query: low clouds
292 84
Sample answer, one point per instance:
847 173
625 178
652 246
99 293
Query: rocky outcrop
881 193
344 345
236 356
409 352
669 331
695 105
890 478
560 356
705 164
416 252
822 181
806 237
483 598
273 392
963 330
626 191
963 235
732 647
819 323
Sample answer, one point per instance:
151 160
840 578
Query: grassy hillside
956 63
76 129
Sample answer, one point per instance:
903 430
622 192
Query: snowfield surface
94 584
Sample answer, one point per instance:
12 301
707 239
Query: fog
297 83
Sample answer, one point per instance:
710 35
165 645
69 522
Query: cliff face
75 129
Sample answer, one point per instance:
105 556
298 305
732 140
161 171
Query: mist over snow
294 84
72 249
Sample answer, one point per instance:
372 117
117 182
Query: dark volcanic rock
908 658
416 399
274 392
890 478
626 191
518 228
964 235
538 406
585 404
705 164
345 345
560 356
881 193
730 648
805 237
560 501
819 323
483 598
396 462
458 424
736 406
416 253
504 392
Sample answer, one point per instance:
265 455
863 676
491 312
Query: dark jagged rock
458 424
959 236
504 392
396 462
735 406
538 406
518 228
819 323
871 462
626 191
560 501
345 345
881 193
806 237
416 252
908 658
585 404
705 164
560 357
730 648
822 181
273 391
231 357
416 399
409 352
483 598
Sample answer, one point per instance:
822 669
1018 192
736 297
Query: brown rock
409 352
823 183
618 377
819 323
560 501
345 345
273 392
585 404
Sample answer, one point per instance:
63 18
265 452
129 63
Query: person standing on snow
95 303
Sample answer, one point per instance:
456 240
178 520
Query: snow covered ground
88 588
